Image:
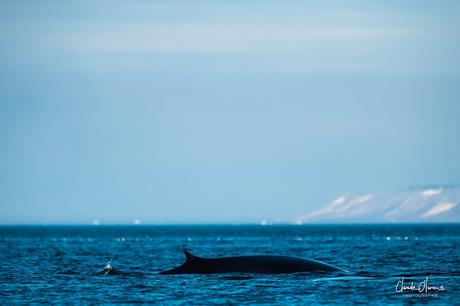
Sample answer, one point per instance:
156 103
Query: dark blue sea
57 264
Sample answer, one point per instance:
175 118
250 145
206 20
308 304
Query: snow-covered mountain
440 204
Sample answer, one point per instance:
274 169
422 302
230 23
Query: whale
261 264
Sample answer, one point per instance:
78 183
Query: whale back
267 264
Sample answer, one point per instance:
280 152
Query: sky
221 111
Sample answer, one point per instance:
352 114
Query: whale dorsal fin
189 256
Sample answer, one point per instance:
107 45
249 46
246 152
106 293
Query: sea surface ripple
57 264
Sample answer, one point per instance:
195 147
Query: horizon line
223 224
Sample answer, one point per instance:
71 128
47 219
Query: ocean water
57 264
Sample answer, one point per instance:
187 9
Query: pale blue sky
204 111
